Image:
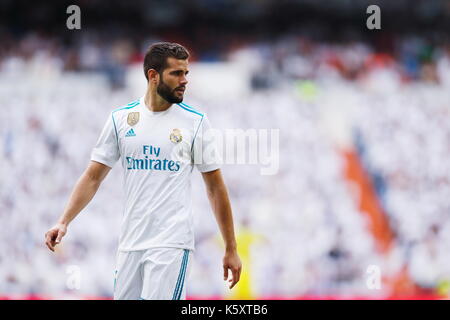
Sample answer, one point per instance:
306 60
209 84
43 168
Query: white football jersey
158 151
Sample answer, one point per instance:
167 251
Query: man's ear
153 76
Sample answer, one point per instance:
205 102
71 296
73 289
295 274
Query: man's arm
218 197
82 194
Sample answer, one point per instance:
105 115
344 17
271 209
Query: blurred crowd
293 56
304 232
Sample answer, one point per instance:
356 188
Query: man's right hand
82 193
54 235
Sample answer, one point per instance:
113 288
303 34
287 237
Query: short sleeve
106 150
206 153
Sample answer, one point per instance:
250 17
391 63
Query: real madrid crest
133 118
176 136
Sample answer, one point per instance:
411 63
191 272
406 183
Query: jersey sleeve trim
97 158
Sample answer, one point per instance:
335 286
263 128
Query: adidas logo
130 133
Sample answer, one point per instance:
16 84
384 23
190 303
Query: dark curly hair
157 54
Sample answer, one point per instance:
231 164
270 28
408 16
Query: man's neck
154 102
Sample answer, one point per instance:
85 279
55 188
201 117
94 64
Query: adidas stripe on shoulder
128 106
189 109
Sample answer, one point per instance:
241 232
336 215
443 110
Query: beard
168 94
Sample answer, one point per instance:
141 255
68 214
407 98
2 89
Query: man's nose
184 81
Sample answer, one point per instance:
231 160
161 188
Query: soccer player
159 141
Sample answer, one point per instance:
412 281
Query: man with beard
159 140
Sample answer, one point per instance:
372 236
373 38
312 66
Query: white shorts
152 274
